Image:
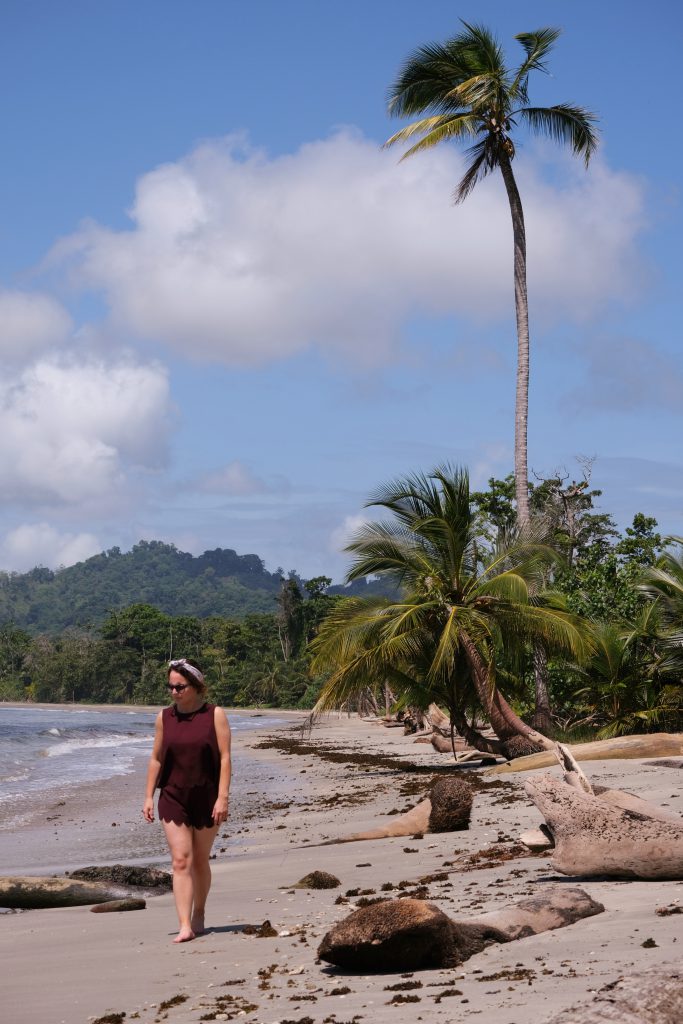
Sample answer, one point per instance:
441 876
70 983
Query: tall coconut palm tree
471 95
461 607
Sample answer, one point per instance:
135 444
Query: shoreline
100 822
93 964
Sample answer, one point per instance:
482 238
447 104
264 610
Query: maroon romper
190 767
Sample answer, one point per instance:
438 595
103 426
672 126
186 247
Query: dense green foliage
627 587
219 582
260 659
466 610
625 591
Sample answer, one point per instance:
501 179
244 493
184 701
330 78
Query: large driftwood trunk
594 837
409 934
36 893
540 913
646 997
657 744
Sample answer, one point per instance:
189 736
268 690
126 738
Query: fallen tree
35 893
409 934
656 744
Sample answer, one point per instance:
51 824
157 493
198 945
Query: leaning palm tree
460 608
471 94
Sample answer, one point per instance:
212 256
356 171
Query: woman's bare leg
179 839
202 841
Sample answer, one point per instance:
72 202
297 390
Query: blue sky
226 314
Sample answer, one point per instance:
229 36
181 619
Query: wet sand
292 795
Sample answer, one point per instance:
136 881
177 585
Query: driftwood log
118 906
644 997
409 934
608 833
37 893
446 809
656 744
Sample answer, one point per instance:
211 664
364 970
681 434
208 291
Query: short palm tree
461 606
631 678
470 94
663 582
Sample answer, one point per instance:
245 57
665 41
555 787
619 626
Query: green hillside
219 582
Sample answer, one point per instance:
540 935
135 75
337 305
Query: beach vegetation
468 610
623 587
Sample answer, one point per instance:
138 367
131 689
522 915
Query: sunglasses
177 689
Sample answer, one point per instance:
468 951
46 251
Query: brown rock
126 874
451 801
316 880
261 931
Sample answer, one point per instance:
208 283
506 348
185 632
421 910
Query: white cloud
341 535
30 323
234 479
69 430
241 258
34 544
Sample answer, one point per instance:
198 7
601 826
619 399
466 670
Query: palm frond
479 49
445 128
483 161
564 123
536 45
435 130
426 79
480 93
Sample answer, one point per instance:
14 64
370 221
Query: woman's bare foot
198 923
185 934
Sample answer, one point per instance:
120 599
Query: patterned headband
184 664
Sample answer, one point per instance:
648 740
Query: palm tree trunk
473 736
522 314
541 719
504 721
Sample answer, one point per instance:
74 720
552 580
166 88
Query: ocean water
44 752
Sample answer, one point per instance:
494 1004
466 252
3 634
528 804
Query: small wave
73 745
5 779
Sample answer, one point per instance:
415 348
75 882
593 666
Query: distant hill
219 582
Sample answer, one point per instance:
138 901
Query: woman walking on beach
190 764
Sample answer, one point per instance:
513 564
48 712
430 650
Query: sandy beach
72 966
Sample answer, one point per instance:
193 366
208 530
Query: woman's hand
220 810
148 809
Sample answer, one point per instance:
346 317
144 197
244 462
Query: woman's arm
153 769
220 808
